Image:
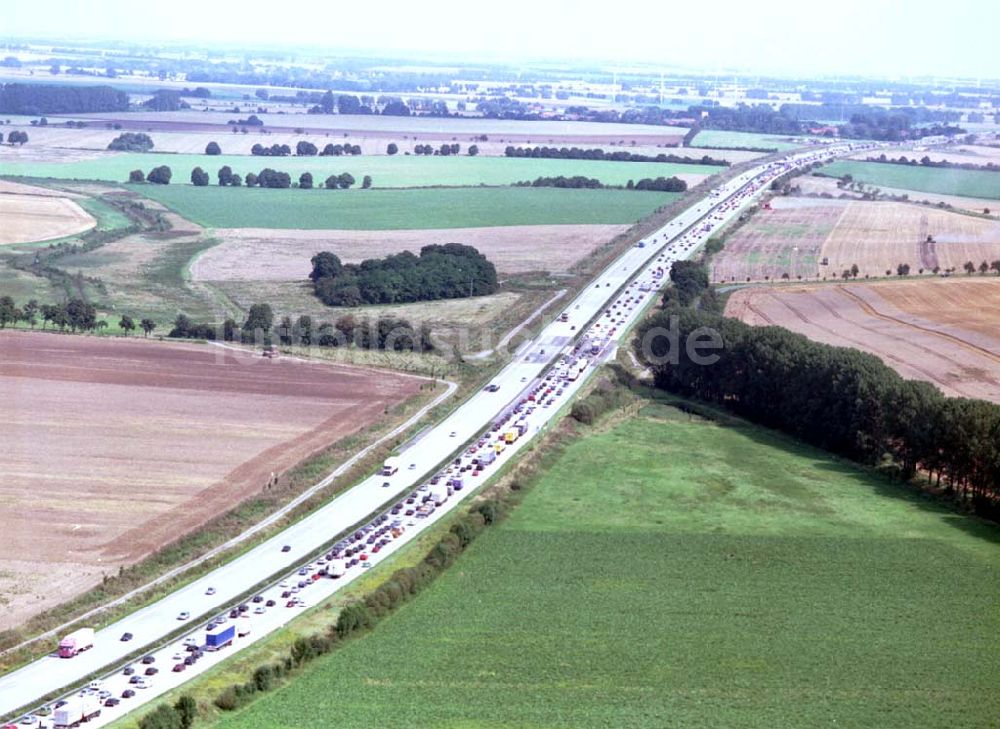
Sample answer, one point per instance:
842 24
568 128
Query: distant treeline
449 271
266 178
836 398
600 154
17 98
926 161
305 149
383 333
659 184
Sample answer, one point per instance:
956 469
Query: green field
227 207
713 138
966 183
395 171
675 572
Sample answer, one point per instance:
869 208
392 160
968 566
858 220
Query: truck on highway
487 457
391 466
75 642
335 569
510 436
219 637
77 709
243 627
439 494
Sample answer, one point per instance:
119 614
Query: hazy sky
872 37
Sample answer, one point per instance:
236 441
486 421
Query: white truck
75 642
336 569
243 626
439 494
391 466
76 710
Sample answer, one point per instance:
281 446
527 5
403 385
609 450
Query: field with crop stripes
470 207
676 572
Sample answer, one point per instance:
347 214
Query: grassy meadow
356 209
396 171
714 138
966 183
671 571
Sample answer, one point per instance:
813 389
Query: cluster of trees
926 161
836 398
30 99
444 150
449 271
275 150
180 715
158 175
166 100
304 149
383 333
131 142
15 137
75 314
660 184
600 154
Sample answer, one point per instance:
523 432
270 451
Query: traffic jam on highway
518 418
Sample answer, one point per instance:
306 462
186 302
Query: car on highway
112 701
151 671
128 694
286 548
178 667
493 387
128 670
144 683
146 660
269 603
184 615
126 637
210 591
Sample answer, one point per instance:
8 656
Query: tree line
447 271
926 161
302 149
266 178
600 154
659 184
17 98
75 314
839 399
383 333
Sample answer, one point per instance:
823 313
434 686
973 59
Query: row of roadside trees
267 178
75 315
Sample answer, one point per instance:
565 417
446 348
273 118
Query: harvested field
29 218
827 187
946 332
785 240
878 236
116 447
260 254
875 236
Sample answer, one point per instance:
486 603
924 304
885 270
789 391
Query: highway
466 425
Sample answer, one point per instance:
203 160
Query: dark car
178 667
286 548
152 671
126 637
149 659
135 679
188 661
243 608
285 595
234 613
128 694
258 598
128 671
269 603
111 702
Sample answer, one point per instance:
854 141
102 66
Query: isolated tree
159 175
969 267
332 182
392 148
136 176
30 312
213 148
260 317
235 181
148 325
251 179
984 267
306 181
366 182
473 150
996 267
855 270
345 180
199 178
126 324
225 175
9 313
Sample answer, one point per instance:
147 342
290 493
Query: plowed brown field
946 332
113 448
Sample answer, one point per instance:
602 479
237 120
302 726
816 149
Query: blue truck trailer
219 637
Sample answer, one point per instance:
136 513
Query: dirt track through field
114 448
928 330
